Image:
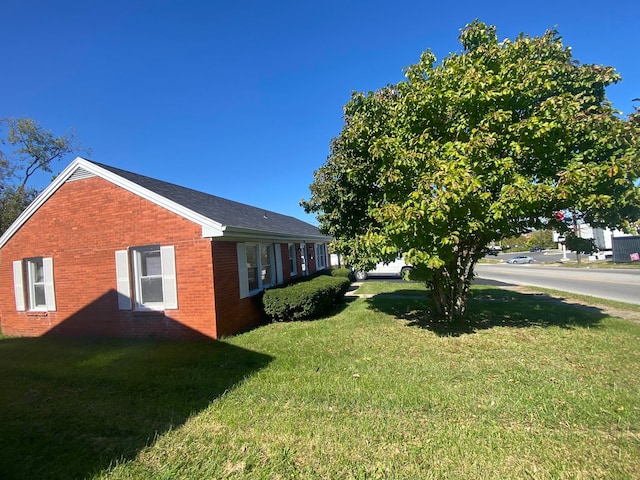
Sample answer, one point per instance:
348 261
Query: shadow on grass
490 307
71 408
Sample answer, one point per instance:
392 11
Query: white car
520 259
396 268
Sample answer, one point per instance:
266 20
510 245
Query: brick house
106 252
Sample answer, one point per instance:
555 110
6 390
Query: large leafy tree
27 148
487 144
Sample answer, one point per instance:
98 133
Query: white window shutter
49 289
123 284
243 274
169 285
18 286
279 269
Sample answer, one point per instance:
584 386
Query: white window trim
293 261
272 280
24 291
128 279
137 278
321 254
243 270
278 259
32 283
304 267
256 248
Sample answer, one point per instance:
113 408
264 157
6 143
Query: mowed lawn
532 388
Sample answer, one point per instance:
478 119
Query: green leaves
487 144
29 148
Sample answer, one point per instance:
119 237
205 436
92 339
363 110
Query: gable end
80 174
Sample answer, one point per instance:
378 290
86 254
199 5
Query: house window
303 258
293 264
154 278
252 267
266 270
321 256
256 267
33 284
148 276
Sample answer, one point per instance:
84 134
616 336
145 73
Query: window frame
25 282
255 247
31 267
137 255
321 254
270 254
129 278
293 259
243 267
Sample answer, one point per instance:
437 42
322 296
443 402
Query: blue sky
241 99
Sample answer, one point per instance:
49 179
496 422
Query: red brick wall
311 258
80 227
234 314
286 265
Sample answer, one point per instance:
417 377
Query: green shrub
343 272
305 299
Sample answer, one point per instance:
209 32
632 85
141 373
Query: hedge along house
106 252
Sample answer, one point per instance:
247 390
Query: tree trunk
450 288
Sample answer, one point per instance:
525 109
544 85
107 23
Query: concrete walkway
354 288
353 292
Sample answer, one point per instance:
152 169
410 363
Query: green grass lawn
528 389
396 288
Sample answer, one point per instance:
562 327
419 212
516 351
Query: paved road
549 256
614 284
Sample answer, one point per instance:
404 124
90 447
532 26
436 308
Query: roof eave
244 234
210 228
206 223
38 201
164 202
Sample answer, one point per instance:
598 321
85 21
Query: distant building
601 237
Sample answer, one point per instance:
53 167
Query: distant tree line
538 238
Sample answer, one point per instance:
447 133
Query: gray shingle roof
226 212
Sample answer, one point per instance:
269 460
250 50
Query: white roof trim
210 228
37 202
207 224
239 233
151 196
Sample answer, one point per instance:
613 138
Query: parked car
493 251
396 268
535 249
520 259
